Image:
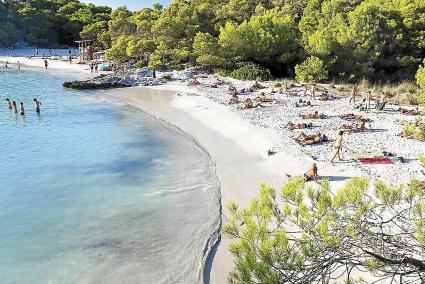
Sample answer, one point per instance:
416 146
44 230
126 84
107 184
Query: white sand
56 66
238 142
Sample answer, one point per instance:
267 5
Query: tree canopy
48 23
313 235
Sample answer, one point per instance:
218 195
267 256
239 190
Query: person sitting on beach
263 99
37 105
359 127
302 103
338 146
21 108
324 96
232 90
220 82
311 175
409 111
292 126
14 107
305 139
256 86
234 99
314 115
249 104
194 82
9 104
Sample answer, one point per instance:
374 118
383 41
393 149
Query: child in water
14 107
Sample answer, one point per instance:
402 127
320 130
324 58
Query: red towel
376 161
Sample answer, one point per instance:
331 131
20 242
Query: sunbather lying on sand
292 126
263 99
311 175
351 116
314 115
305 139
409 111
234 99
256 86
302 103
359 127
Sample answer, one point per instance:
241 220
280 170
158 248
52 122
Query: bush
311 70
141 64
251 71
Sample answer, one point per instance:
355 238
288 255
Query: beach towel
376 161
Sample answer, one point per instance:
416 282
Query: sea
93 192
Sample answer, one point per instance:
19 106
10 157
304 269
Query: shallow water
97 193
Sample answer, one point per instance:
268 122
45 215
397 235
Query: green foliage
269 40
250 71
420 79
311 70
421 158
311 234
47 22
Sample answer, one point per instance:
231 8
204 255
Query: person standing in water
46 63
338 146
9 104
37 105
6 66
21 108
19 66
14 107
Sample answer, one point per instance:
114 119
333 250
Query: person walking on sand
46 63
9 104
21 108
353 95
37 105
338 146
313 91
96 67
368 99
305 90
14 107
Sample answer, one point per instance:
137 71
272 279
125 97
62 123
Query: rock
91 85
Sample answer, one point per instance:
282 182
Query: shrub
166 77
311 70
421 158
251 71
140 64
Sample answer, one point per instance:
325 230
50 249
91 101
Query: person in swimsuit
21 108
37 105
14 107
338 146
9 104
19 66
46 63
313 91
311 175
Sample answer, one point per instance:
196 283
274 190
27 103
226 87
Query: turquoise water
97 193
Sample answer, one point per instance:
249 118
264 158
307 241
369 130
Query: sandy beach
239 140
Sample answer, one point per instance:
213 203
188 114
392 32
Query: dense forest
47 23
314 40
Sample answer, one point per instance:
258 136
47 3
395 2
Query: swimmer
21 108
37 105
9 104
14 107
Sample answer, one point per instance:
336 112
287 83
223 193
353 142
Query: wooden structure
86 50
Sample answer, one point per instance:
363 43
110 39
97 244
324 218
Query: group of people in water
12 106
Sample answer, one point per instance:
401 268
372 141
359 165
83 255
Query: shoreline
240 166
238 141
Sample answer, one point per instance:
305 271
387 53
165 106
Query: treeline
313 39
47 23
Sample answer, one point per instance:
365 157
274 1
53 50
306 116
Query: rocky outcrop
111 81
